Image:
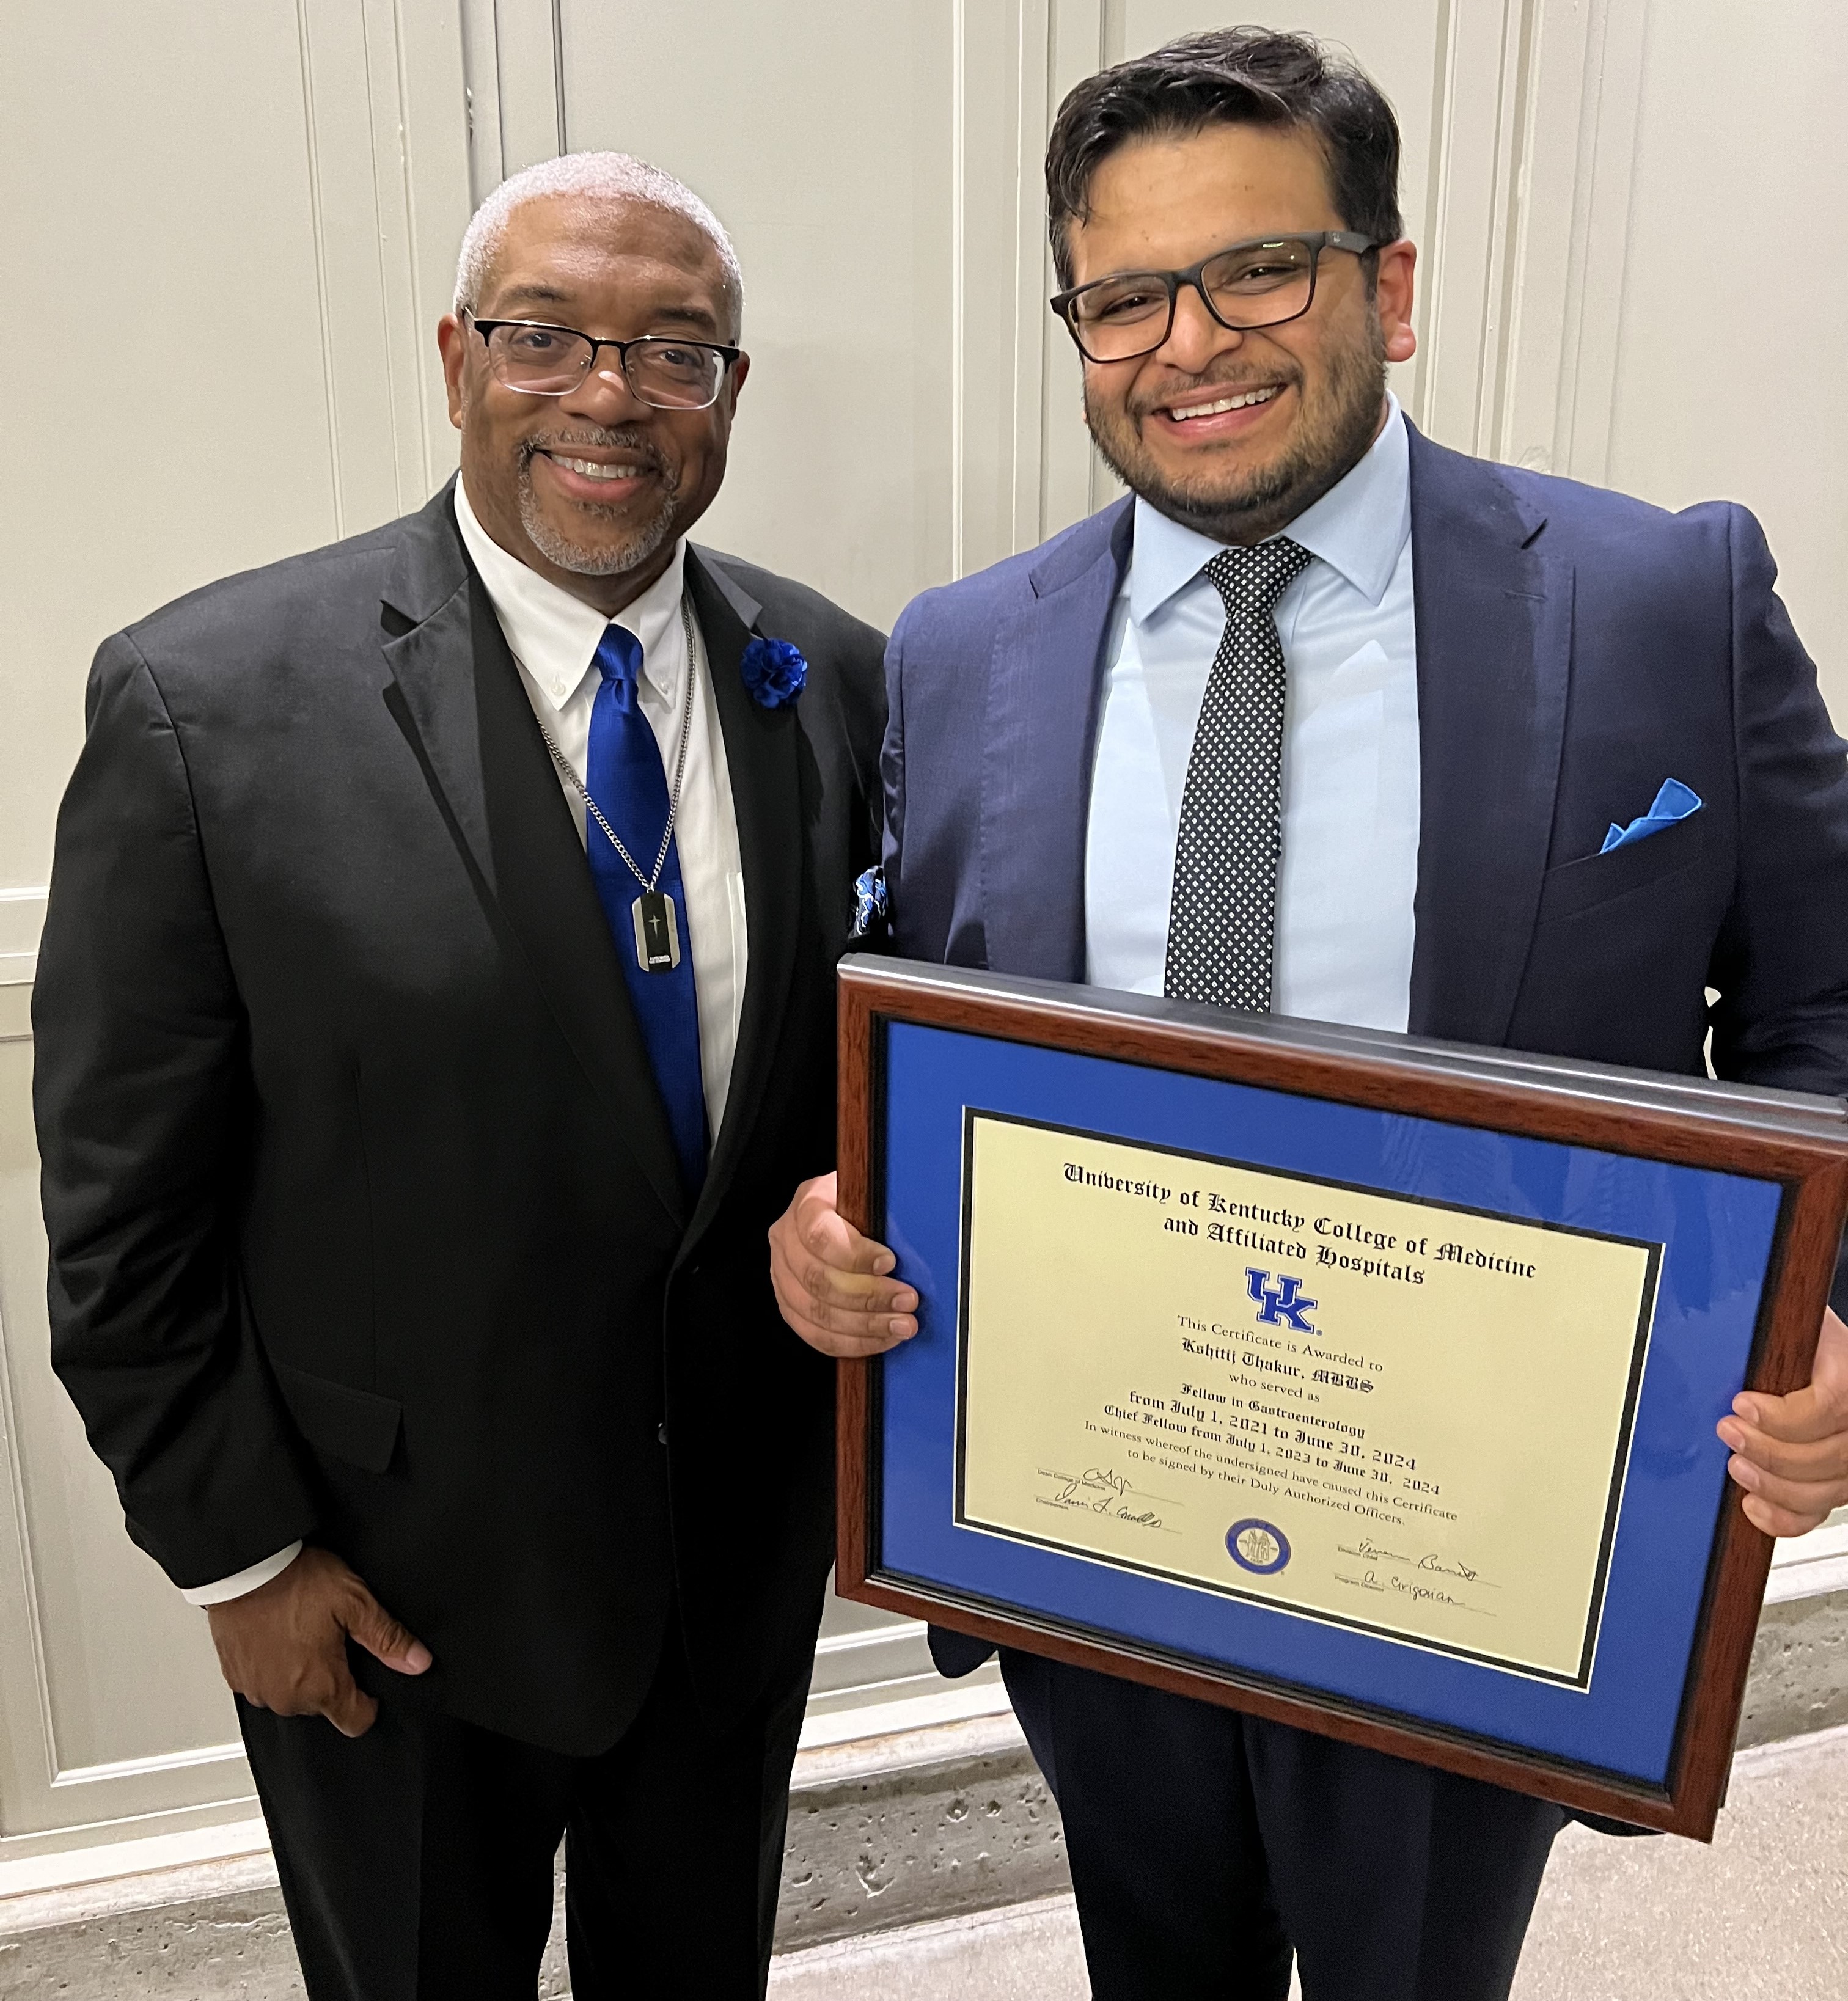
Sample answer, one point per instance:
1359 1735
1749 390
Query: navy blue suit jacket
1575 647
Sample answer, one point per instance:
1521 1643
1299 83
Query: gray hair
600 176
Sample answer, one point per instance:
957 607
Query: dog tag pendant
657 931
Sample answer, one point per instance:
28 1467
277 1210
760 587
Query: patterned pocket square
1675 802
872 909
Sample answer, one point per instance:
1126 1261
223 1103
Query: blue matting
1717 1230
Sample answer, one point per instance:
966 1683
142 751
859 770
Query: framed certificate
1363 1383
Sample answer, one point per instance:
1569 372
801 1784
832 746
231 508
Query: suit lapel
1494 629
1042 715
457 695
761 751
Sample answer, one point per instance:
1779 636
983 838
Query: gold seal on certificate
1398 1416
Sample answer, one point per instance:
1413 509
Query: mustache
624 438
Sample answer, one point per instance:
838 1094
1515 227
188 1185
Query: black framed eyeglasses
663 371
1260 283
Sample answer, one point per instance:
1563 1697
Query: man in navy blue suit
1328 721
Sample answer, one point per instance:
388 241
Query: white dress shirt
1349 865
553 638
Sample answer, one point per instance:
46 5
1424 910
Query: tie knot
1254 580
619 655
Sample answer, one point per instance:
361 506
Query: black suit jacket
366 1225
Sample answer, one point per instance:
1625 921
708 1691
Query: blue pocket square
1675 802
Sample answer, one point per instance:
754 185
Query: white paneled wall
1728 374
249 210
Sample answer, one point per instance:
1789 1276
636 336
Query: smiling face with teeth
1235 433
593 488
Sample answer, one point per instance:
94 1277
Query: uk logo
1280 1301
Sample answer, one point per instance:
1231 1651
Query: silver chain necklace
656 920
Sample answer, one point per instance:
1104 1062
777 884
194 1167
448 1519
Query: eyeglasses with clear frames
662 371
1260 282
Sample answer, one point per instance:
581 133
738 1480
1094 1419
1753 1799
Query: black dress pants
416 1861
1206 1845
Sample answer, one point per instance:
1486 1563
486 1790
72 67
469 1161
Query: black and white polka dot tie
1221 921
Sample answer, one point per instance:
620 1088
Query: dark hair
1231 76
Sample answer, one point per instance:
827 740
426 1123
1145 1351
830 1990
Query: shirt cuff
245 1582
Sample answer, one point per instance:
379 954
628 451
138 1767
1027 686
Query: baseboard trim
941 1817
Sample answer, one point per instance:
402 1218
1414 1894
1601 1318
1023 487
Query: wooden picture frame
1799 1143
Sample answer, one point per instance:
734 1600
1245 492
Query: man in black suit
407 1179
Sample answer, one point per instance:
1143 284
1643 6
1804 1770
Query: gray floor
1764 1912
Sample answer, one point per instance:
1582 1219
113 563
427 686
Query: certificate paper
1391 1414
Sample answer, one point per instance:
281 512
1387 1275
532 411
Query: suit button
661 1432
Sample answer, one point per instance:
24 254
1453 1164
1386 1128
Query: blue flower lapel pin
774 671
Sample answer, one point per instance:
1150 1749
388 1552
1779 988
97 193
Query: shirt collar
554 635
1357 527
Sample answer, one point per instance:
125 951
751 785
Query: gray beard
574 556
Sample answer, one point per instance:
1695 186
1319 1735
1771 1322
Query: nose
1196 336
605 395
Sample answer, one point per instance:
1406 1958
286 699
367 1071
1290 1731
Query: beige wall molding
160 1761
384 108
22 917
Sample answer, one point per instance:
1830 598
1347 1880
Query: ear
1393 298
452 344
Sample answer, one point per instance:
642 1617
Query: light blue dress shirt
1349 867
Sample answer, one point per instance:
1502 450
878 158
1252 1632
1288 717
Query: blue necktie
626 780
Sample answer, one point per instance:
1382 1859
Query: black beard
1335 439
